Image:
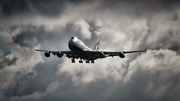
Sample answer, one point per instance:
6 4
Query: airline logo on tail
96 47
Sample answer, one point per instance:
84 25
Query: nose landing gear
73 60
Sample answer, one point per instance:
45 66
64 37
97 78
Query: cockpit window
72 37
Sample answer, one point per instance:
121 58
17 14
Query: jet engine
47 54
121 55
59 54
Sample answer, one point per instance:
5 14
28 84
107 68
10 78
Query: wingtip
145 50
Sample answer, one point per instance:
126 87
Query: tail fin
96 47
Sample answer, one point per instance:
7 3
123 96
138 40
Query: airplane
78 50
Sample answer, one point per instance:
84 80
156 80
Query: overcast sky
27 75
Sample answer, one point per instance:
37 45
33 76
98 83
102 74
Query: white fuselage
78 47
74 42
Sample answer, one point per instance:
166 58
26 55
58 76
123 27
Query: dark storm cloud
3 97
21 84
33 35
43 78
26 36
47 8
44 7
54 8
4 48
164 3
7 62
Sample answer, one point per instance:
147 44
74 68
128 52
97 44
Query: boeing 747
78 50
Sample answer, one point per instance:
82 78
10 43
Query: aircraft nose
72 38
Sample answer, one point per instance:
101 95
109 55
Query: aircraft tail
96 47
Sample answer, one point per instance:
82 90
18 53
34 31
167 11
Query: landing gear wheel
87 61
73 60
92 61
80 61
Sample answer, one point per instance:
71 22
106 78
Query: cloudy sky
27 75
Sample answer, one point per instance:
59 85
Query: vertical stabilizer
96 47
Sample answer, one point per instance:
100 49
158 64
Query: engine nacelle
121 55
59 54
47 54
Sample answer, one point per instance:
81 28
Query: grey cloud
20 85
16 64
148 81
4 49
32 35
163 32
3 97
162 71
43 7
45 76
146 4
8 62
1 53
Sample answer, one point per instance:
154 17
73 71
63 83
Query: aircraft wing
65 52
104 54
69 54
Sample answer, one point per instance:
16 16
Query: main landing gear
80 61
87 61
